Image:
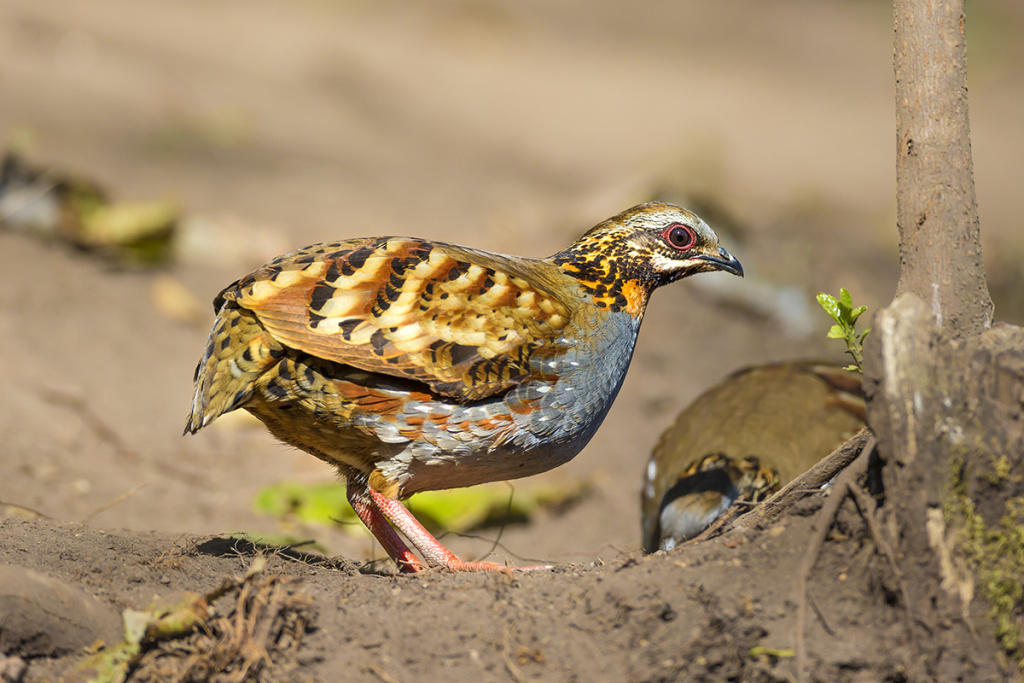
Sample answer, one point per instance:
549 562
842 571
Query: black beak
724 261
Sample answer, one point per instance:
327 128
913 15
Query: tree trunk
945 396
936 207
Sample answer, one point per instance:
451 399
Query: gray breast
543 423
590 373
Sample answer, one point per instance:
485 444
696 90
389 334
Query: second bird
413 365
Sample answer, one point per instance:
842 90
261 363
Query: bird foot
436 555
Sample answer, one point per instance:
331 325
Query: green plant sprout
842 311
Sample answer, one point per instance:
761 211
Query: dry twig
261 630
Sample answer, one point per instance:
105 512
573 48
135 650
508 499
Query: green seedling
842 311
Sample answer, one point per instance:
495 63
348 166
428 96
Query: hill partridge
742 439
414 366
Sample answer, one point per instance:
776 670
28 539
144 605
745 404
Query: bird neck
607 274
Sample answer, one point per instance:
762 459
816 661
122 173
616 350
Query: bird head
623 259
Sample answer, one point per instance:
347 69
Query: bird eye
680 236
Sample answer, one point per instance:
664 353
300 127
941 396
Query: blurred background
210 137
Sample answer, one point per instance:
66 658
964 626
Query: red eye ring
681 237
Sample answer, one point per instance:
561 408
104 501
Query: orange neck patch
636 298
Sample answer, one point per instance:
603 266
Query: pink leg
382 531
430 548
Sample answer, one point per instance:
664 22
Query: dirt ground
505 126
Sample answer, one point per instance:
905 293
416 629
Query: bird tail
238 351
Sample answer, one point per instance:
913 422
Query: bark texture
945 392
936 207
949 419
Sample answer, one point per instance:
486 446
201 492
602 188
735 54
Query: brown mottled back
406 307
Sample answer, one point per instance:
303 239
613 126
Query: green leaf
461 509
488 505
846 316
322 503
831 306
845 300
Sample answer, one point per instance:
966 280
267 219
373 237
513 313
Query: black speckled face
622 260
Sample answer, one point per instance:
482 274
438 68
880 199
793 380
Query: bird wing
466 323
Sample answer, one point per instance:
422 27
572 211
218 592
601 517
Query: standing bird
415 366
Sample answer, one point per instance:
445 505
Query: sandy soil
506 126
